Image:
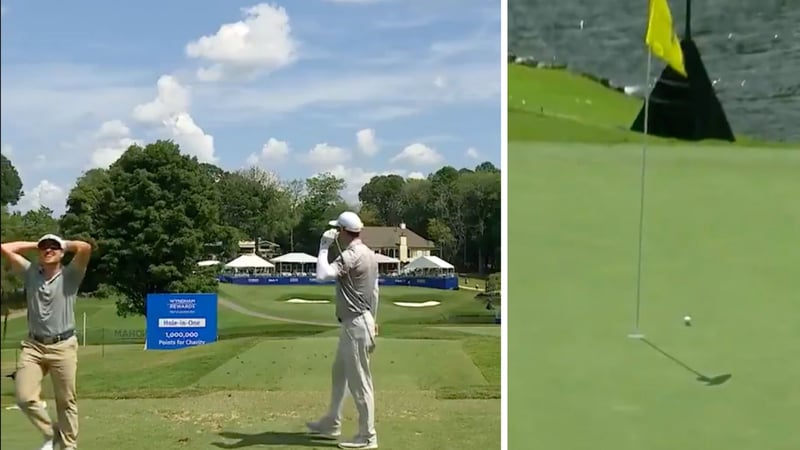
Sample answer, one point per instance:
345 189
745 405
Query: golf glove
328 238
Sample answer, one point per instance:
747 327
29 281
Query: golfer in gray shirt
356 275
51 346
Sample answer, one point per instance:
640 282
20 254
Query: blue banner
176 321
435 283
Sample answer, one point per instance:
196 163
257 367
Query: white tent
250 264
208 262
429 262
296 258
249 261
383 259
294 264
429 266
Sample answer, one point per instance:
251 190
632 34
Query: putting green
720 224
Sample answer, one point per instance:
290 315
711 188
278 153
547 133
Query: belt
47 340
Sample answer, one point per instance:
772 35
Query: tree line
155 212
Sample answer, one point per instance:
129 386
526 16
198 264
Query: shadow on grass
276 438
709 381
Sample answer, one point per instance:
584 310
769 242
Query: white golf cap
51 237
349 221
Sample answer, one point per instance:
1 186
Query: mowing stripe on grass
488 330
305 364
405 420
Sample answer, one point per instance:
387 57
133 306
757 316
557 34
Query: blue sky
352 87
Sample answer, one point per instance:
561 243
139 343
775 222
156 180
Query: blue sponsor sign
177 321
435 283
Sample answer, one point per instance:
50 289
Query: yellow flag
661 37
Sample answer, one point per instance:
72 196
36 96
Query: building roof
389 237
429 262
249 261
295 258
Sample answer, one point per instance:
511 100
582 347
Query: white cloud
191 138
69 96
102 157
354 92
252 159
418 155
112 139
367 142
398 90
173 98
273 151
482 43
416 176
112 129
65 98
436 138
404 23
261 42
388 112
325 156
472 152
170 109
46 193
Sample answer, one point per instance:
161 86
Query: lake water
751 49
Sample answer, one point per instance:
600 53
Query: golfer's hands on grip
327 239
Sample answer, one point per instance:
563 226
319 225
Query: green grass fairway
275 365
436 387
481 330
722 243
456 306
260 419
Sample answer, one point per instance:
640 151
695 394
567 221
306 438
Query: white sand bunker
304 301
427 304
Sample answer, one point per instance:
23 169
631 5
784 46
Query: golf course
436 371
720 243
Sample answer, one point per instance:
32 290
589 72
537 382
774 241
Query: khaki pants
60 360
351 370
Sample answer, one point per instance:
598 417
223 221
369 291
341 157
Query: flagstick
636 333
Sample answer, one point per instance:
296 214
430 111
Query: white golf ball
687 319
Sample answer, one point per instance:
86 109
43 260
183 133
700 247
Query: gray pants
351 369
